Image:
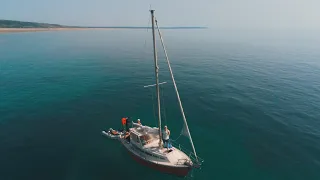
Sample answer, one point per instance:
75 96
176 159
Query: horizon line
144 27
132 27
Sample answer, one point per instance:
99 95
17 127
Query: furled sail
184 131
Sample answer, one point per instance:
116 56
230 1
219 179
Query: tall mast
156 74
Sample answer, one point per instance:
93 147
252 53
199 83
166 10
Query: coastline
17 30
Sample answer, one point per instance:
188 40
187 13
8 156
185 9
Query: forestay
177 93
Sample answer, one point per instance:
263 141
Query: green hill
21 24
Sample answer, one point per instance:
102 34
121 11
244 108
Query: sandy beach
16 30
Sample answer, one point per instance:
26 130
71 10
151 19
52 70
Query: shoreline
17 30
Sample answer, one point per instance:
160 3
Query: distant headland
21 26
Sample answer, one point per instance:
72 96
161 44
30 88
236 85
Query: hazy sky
244 14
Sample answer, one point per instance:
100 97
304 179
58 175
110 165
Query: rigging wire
176 89
163 106
176 138
145 40
145 52
149 21
154 108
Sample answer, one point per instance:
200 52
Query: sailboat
145 143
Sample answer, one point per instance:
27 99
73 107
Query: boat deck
150 149
174 155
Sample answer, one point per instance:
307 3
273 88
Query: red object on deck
124 121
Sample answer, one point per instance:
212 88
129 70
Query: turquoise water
252 103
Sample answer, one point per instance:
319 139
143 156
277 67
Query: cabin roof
134 131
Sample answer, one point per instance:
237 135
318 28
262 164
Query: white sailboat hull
155 163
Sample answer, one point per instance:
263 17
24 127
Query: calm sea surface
252 103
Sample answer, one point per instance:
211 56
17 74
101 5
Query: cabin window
145 152
135 138
145 139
